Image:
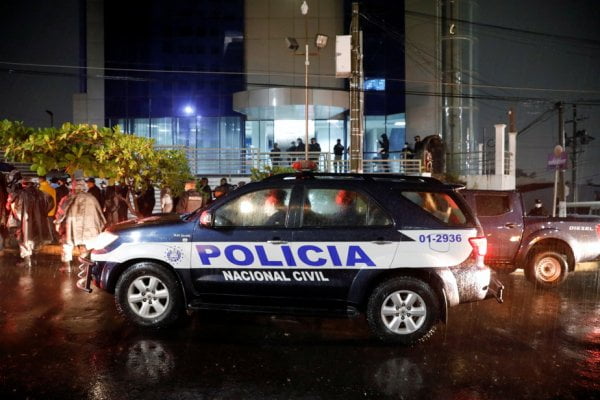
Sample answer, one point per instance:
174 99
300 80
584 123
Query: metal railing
480 162
240 161
578 208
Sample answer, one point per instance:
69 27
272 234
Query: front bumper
85 275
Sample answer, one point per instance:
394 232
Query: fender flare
539 236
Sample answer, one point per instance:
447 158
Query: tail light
598 231
479 245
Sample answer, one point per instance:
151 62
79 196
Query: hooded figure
538 210
29 209
79 220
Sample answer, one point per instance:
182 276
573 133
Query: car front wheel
403 310
149 295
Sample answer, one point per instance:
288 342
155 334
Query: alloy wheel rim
403 312
148 296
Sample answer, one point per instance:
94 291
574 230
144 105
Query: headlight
101 241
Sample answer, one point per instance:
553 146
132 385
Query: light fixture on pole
51 114
292 44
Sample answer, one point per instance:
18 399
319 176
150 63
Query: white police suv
401 249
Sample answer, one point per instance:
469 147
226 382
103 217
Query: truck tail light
479 245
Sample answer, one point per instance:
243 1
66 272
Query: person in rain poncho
79 219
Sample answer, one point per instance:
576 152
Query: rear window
439 205
491 205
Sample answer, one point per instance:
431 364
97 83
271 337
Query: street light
51 114
292 44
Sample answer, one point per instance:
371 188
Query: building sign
557 161
343 50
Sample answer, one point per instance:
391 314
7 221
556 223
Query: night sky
552 46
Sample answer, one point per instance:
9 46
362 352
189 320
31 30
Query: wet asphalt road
58 342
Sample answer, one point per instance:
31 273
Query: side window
266 208
333 207
440 205
491 205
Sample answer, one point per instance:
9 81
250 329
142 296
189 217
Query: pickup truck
546 248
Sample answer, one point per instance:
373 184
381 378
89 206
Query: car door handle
510 225
380 241
277 241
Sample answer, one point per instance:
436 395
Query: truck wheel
548 269
149 295
403 310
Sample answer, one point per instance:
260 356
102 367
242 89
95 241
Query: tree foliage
102 152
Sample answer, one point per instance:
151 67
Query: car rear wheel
403 310
149 295
547 269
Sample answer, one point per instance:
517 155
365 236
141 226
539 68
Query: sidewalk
49 249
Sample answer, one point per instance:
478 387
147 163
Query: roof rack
366 177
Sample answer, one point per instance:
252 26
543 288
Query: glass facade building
174 69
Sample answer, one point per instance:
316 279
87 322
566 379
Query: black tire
403 310
547 269
149 295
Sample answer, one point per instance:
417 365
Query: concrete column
499 154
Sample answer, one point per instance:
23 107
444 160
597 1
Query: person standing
95 190
79 220
146 200
61 190
300 146
112 202
123 191
223 189
418 147
275 155
292 149
338 153
3 210
314 147
51 193
204 189
30 210
166 200
190 200
538 210
384 151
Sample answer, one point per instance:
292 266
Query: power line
591 42
196 72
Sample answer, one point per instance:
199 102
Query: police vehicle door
245 257
342 232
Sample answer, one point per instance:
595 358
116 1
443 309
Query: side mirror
207 219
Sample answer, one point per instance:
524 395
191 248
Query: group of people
35 212
35 215
279 159
298 146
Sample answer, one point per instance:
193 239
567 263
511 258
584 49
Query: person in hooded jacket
79 219
29 208
3 210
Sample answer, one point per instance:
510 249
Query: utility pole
561 141
579 138
574 156
356 96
